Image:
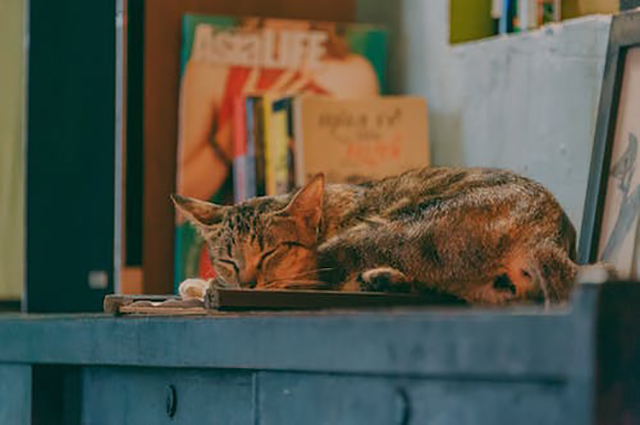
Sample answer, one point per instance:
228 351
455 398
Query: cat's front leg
193 289
198 288
384 279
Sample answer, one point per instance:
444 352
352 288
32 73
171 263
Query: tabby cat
483 235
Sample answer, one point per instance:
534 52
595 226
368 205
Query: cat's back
434 187
482 195
442 197
464 231
449 181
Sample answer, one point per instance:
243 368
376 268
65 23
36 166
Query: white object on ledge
193 289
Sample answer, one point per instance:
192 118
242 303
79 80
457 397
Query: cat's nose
247 278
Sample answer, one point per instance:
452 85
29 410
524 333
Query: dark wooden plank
134 112
9 305
225 299
70 147
56 395
618 357
15 394
125 396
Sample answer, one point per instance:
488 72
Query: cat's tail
553 272
550 274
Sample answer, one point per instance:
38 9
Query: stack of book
280 142
267 103
524 15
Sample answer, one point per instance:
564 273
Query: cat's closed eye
278 251
228 269
266 255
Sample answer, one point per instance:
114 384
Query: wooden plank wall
160 96
11 149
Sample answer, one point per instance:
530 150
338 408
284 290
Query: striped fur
487 236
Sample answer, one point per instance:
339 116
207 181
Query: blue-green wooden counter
453 366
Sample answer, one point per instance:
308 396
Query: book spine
546 11
239 150
279 137
532 14
269 146
250 159
496 8
523 14
259 145
557 10
298 147
516 24
511 18
527 11
291 170
504 26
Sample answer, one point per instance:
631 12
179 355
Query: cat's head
267 242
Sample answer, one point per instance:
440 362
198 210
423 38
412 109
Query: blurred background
90 132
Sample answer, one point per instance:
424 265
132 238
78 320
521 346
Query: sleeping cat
483 235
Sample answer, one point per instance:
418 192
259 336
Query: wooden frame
624 35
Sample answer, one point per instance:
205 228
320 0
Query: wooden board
222 300
113 303
163 311
251 299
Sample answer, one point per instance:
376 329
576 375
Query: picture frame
610 227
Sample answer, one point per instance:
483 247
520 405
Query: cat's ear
200 213
307 203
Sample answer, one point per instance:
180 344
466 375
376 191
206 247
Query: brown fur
487 236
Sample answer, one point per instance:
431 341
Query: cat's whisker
303 274
271 283
297 284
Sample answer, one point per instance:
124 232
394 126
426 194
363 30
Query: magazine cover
251 185
226 57
240 151
354 140
277 141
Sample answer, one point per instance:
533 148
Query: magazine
224 58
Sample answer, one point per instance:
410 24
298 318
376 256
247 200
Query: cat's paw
384 279
193 289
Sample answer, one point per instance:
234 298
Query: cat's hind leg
543 273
